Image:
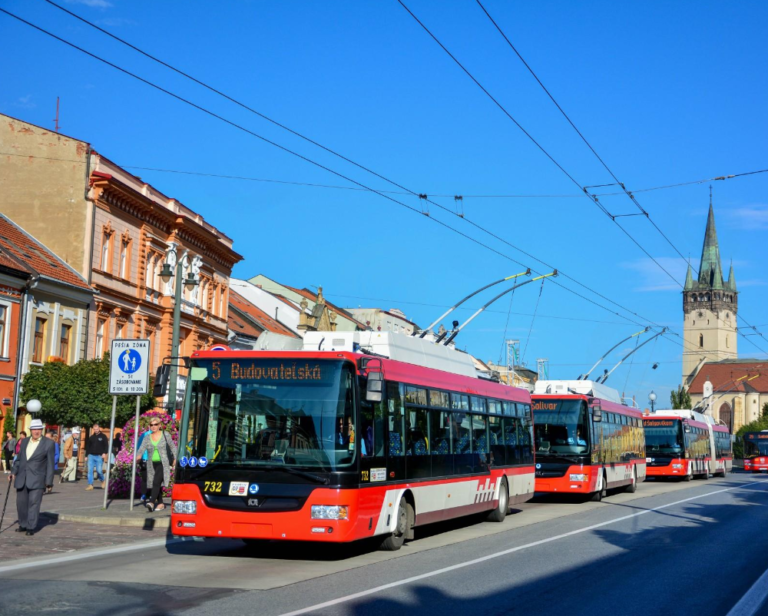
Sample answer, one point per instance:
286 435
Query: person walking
33 473
96 448
9 450
142 464
70 459
160 454
22 436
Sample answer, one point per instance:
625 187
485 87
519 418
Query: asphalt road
671 548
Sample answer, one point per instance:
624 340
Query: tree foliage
9 425
78 395
680 399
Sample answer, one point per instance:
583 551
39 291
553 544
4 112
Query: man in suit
33 471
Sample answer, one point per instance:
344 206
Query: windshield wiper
297 472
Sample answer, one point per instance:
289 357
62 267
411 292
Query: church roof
710 272
710 267
724 375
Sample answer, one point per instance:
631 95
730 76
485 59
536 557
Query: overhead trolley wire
378 192
591 197
629 193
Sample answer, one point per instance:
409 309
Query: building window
66 332
37 349
106 238
123 259
727 342
701 341
120 330
3 327
100 338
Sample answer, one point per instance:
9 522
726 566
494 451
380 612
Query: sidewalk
71 502
72 519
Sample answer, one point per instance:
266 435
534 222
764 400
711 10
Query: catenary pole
135 447
109 453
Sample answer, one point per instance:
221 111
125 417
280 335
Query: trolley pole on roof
471 295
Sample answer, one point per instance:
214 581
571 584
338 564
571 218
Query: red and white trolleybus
756 451
587 442
686 444
355 435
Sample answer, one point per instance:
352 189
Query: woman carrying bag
160 458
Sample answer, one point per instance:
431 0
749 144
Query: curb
159 523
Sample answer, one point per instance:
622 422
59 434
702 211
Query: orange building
116 230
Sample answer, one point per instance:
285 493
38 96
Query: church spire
731 280
710 270
688 279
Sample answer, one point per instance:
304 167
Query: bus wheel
498 514
632 487
689 476
397 538
602 490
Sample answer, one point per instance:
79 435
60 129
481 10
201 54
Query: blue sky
665 92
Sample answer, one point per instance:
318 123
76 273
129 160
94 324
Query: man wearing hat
33 471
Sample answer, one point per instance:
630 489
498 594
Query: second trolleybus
586 441
756 452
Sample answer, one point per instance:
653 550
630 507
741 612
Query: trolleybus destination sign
129 367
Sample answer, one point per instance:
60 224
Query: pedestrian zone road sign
129 367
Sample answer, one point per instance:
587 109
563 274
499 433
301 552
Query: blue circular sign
538 466
253 488
129 361
202 462
193 461
184 461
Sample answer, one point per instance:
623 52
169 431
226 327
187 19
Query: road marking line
753 599
88 554
482 559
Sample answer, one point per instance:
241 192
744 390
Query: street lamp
191 281
652 400
34 406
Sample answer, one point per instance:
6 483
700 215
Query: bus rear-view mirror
375 387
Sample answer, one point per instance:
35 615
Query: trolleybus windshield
267 412
561 426
754 447
663 436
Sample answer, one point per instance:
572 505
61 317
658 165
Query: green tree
9 425
78 395
765 410
680 399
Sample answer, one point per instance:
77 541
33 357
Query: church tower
709 306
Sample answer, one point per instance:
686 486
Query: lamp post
191 281
652 400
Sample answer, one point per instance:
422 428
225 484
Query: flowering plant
120 477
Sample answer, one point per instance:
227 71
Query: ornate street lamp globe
34 406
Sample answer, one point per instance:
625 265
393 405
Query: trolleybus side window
438 399
395 422
459 402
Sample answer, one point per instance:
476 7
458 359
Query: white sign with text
129 367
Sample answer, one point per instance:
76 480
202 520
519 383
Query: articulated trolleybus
756 451
587 442
686 444
358 434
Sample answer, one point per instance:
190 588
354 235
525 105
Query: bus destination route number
212 486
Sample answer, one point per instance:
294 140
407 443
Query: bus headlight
677 466
578 477
184 507
330 512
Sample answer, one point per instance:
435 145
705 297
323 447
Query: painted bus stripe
495 555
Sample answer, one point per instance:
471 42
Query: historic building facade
117 232
710 304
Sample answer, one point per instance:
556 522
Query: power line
592 197
306 159
599 158
389 192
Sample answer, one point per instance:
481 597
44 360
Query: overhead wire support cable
363 186
296 133
594 200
